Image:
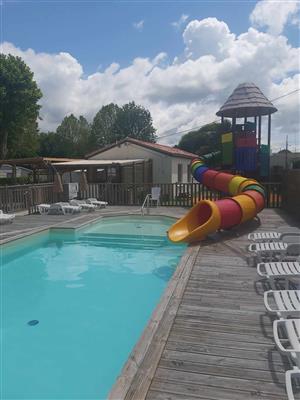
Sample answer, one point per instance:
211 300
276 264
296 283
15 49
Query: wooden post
14 173
34 175
222 119
269 143
259 141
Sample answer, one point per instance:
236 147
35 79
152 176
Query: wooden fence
26 197
172 194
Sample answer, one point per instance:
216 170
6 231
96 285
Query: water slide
248 199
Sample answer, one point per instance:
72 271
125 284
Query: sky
179 59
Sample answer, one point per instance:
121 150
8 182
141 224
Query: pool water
74 305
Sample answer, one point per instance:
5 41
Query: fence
26 197
172 194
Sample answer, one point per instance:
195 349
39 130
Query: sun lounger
43 208
63 208
287 338
274 235
6 218
279 270
97 203
276 251
292 376
83 205
283 303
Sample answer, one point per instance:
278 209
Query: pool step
125 241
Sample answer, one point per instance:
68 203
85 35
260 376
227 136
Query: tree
206 139
103 124
134 121
71 139
25 143
19 96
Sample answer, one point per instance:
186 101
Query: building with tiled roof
169 164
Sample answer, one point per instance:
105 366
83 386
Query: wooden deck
220 346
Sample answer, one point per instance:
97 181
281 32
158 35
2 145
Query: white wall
185 163
162 163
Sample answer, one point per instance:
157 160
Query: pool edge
138 371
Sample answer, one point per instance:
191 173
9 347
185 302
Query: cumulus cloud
207 37
180 22
275 15
139 26
181 95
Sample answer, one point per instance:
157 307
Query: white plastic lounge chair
283 303
69 208
279 270
287 338
274 236
63 208
83 205
277 251
43 208
98 203
155 195
290 376
6 218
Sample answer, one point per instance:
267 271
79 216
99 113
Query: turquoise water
91 293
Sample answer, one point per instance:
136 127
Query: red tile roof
172 151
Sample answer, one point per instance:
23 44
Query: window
189 173
179 171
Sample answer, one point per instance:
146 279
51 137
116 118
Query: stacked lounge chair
97 203
58 208
83 204
6 218
284 304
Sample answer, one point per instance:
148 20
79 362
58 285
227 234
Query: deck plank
221 343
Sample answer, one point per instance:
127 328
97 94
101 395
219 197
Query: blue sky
98 33
179 59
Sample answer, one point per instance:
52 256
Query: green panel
227 153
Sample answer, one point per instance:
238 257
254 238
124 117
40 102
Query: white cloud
180 95
139 26
181 21
275 15
207 37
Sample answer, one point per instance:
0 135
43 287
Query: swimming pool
75 303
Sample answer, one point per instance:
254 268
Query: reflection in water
164 273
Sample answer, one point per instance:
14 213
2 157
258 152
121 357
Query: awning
91 163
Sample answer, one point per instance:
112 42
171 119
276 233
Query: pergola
33 163
247 101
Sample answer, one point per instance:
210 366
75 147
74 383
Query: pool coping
137 373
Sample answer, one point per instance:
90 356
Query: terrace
210 336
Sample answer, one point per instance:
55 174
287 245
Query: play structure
241 151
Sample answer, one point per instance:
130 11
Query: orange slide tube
208 216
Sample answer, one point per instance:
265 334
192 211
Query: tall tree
19 96
206 139
71 139
73 136
135 121
103 124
